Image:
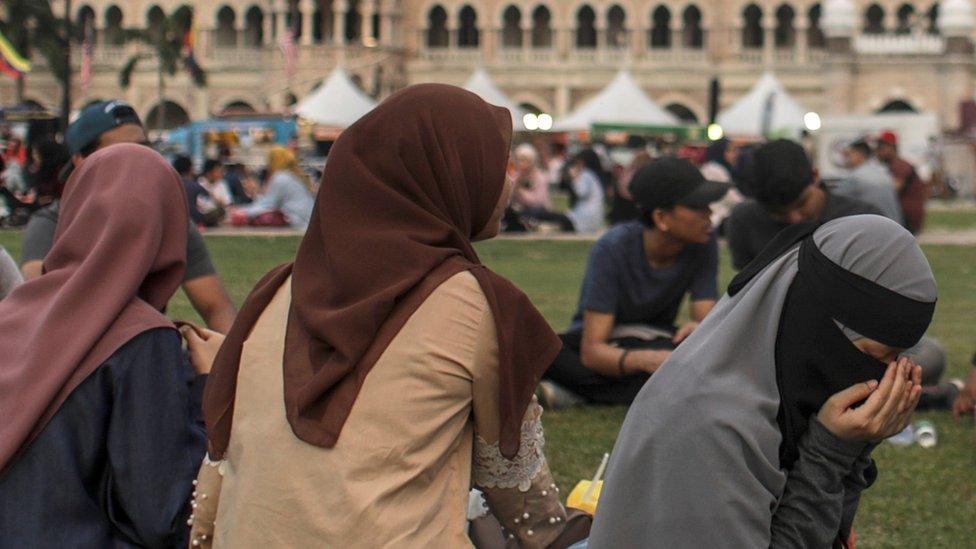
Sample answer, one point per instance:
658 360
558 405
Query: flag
86 58
12 63
290 50
189 59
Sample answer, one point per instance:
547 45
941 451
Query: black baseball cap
670 181
97 119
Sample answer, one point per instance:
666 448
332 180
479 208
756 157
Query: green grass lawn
954 219
923 498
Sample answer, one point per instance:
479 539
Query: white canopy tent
766 109
336 103
621 102
481 84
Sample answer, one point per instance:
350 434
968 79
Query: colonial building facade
834 56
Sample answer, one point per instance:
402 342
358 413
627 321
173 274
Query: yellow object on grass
576 500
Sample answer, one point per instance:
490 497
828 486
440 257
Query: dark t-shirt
620 281
749 227
39 237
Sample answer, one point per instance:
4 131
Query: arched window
154 22
86 21
906 19
172 115
353 22
114 34
752 31
785 34
933 19
225 35
586 28
874 20
294 19
322 22
692 35
660 28
512 28
467 28
616 27
541 29
897 105
683 113
815 35
375 24
254 27
437 35
237 107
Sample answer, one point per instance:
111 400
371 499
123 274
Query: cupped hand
887 406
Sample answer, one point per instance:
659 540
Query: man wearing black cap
783 190
108 123
636 278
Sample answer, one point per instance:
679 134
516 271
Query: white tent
336 103
767 106
623 102
481 84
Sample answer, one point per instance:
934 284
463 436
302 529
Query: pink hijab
119 254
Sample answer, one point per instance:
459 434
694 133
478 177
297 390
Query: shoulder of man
843 206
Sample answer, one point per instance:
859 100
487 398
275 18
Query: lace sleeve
521 492
492 470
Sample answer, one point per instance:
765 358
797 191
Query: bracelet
620 363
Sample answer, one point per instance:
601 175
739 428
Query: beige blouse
423 430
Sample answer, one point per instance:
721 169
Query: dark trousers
568 371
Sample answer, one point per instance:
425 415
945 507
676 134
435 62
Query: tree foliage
34 29
166 43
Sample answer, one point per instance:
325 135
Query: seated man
784 190
637 276
100 125
869 181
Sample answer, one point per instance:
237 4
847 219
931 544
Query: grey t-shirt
39 237
620 281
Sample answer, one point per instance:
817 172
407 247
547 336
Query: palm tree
166 44
27 24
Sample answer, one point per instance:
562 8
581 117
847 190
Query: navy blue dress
115 465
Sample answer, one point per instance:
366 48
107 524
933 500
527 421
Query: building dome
956 17
839 18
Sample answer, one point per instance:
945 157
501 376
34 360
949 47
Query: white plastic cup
925 434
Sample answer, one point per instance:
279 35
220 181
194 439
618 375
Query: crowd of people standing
356 398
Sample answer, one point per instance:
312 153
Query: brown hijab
119 254
405 190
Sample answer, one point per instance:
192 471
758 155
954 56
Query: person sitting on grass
368 385
785 190
102 428
636 278
758 430
107 123
287 199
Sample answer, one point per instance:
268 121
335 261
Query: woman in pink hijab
100 439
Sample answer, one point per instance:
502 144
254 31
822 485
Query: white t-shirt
587 214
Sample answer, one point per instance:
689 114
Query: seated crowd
355 399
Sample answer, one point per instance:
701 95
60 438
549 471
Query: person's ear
661 219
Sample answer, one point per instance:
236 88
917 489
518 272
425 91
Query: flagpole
66 83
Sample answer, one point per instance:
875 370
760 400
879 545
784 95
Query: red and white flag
86 58
289 48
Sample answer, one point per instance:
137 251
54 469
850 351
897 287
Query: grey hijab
696 463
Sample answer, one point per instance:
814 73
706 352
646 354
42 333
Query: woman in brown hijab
365 388
98 442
